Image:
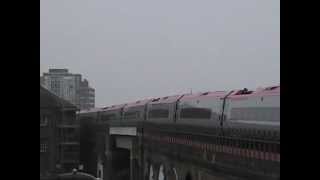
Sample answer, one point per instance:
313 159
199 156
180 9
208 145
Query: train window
196 113
256 114
159 113
131 115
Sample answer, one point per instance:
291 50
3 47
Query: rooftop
50 100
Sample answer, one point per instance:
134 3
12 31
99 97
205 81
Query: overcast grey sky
133 49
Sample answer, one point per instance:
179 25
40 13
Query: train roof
166 99
50 100
138 103
113 107
271 90
210 94
267 91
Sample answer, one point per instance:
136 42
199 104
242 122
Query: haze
130 50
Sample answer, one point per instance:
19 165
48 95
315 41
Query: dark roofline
63 103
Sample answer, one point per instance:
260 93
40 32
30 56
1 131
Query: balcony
67 125
69 143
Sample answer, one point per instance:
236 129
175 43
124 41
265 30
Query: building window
43 147
43 120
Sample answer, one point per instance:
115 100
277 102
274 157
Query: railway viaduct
160 153
220 135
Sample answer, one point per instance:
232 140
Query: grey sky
133 49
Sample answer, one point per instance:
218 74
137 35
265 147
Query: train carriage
253 109
200 111
241 127
251 124
163 110
135 113
112 115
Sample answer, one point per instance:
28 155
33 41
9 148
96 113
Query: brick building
94 143
88 142
59 134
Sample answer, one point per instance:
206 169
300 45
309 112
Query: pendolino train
237 109
242 119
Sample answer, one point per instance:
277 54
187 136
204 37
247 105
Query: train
245 119
237 109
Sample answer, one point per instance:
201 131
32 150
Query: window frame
208 117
